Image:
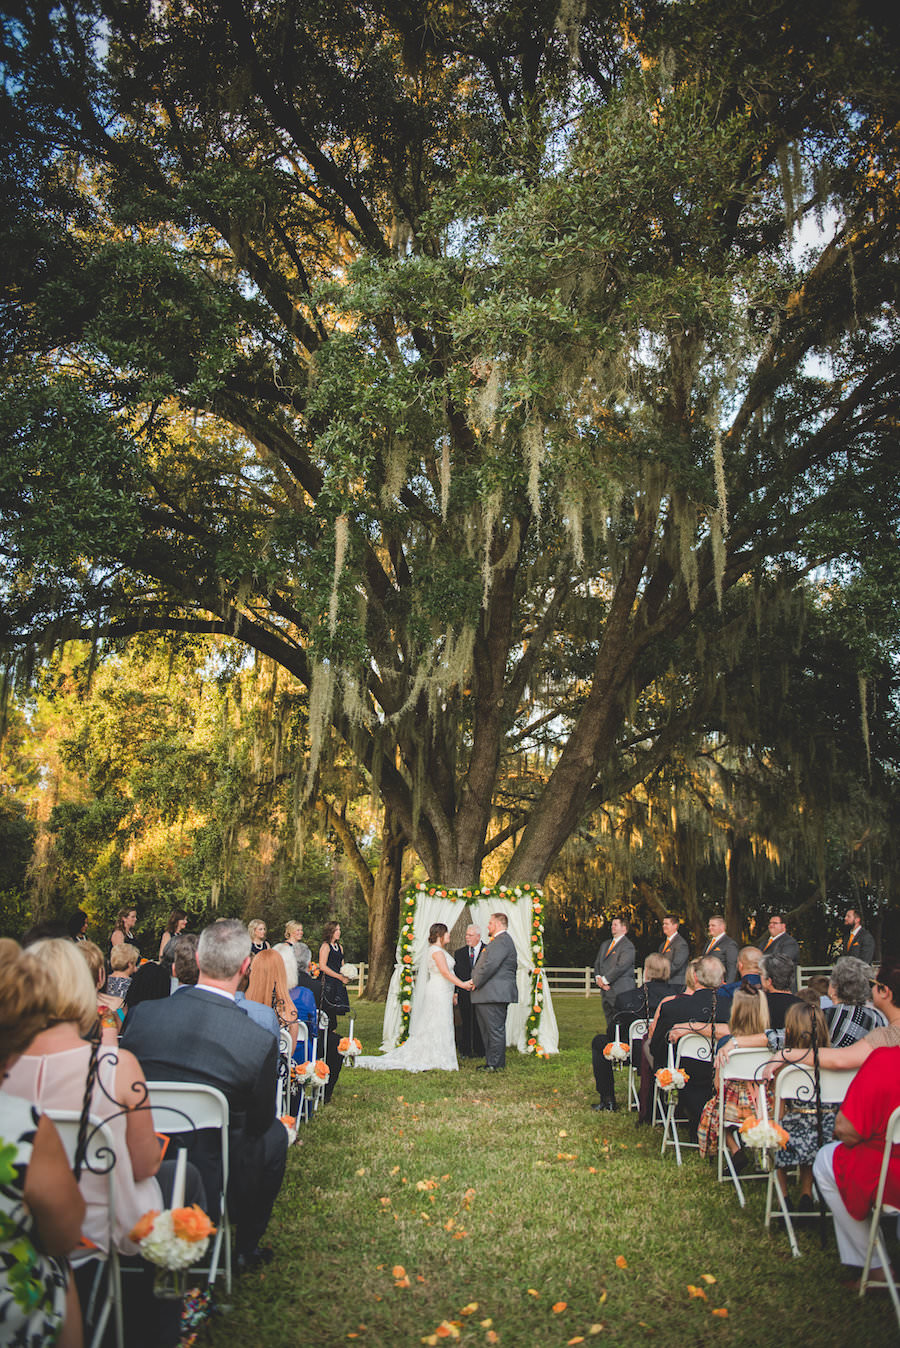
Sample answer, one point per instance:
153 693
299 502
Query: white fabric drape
432 908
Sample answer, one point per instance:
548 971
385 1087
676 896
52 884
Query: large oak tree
461 359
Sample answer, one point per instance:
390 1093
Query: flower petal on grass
470 1309
532 1292
559 1306
492 1336
486 1324
362 1170
707 1278
579 1338
696 1291
398 1271
621 1261
721 1311
595 1329
603 1295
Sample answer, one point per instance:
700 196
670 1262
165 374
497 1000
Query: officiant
468 1036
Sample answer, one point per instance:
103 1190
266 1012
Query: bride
431 1042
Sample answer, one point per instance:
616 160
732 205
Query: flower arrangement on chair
672 1078
763 1134
173 1240
616 1052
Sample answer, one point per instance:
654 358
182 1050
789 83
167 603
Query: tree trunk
738 853
384 911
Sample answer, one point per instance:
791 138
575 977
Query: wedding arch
531 1022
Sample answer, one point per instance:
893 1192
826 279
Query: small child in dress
123 962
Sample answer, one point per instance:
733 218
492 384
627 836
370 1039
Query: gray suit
862 945
494 977
726 950
615 963
782 945
678 954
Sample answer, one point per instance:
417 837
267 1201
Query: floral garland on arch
512 894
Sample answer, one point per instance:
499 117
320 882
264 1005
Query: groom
494 978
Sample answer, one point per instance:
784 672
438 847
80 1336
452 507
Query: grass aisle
508 1192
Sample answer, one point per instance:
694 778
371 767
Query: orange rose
343 1044
321 1070
191 1223
407 959
143 1227
405 1007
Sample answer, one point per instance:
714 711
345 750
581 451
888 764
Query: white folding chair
796 1084
742 1064
876 1238
690 1048
636 1031
285 1051
99 1160
186 1107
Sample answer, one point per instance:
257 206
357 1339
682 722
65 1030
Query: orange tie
852 939
710 946
768 943
667 944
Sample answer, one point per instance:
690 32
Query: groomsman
614 967
858 941
722 946
780 942
468 1036
676 950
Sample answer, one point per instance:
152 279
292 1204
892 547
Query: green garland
511 893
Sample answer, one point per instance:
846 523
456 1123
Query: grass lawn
516 1212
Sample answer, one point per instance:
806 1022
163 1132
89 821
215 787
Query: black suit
860 944
200 1036
469 1043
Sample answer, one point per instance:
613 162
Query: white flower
163 1248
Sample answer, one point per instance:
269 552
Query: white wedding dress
431 1043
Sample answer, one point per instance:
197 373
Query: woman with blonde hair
749 1015
40 1205
257 930
64 1067
269 986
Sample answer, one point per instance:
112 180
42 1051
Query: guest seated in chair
694 1010
268 987
41 1208
749 1015
199 1035
635 1004
65 1067
847 1170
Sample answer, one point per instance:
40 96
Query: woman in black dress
335 1001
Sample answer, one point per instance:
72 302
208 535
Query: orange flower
191 1223
621 1261
721 1311
407 959
321 1070
343 1044
405 1007
143 1226
696 1291
559 1306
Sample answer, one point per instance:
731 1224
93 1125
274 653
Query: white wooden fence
572 978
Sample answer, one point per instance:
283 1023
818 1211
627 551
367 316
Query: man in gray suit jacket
780 942
200 1035
722 946
676 950
494 979
858 941
614 967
